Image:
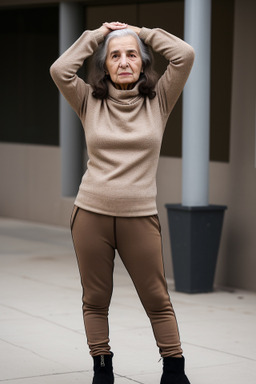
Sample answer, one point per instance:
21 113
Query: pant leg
94 246
139 244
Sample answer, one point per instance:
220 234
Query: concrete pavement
42 335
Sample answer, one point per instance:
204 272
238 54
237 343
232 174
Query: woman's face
123 62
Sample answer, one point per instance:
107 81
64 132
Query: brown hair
99 79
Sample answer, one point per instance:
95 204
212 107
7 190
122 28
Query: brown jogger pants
138 242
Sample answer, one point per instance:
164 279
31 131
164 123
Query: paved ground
41 331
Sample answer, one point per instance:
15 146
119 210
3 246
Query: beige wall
30 175
30 184
240 241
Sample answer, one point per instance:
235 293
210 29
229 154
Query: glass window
29 99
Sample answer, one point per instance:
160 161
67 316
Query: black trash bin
195 234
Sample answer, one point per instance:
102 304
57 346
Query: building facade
32 138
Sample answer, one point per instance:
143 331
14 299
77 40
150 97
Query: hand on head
114 25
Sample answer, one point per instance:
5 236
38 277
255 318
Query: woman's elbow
190 56
54 70
58 72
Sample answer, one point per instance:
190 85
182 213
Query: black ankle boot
173 371
103 369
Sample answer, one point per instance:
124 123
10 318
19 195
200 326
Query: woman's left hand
114 25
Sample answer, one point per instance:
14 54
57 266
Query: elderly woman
124 111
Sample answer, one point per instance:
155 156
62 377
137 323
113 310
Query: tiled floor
41 331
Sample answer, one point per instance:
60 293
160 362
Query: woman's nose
123 61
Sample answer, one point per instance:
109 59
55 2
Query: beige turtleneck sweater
123 132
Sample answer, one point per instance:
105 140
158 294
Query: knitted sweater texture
123 132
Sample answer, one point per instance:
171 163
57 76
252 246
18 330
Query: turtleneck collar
129 96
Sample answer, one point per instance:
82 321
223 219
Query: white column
71 133
196 106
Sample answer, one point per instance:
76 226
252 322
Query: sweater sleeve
180 56
64 69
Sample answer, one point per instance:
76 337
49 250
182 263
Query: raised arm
180 56
64 69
